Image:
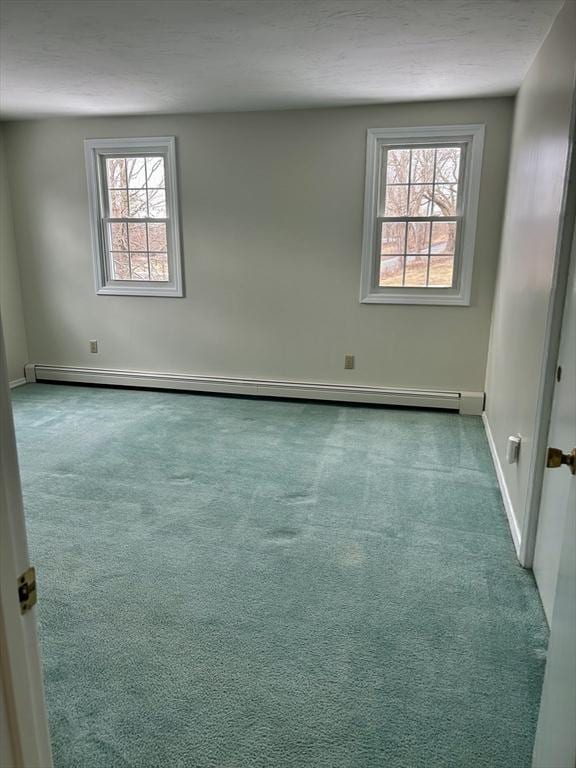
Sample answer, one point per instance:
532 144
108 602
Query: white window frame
379 139
95 151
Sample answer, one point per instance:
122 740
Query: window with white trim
134 216
422 187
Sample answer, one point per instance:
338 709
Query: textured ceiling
82 57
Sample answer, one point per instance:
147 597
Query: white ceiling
92 57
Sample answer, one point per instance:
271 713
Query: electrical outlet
93 346
348 362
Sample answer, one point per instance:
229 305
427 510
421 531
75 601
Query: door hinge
27 595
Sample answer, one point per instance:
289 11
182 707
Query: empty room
288 410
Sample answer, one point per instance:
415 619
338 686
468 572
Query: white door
555 745
22 711
562 435
555 561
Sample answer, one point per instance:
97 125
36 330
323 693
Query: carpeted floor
233 583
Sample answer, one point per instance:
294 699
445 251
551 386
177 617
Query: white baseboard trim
17 383
510 514
225 385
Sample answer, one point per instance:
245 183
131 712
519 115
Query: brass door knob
556 458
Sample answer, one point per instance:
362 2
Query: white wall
538 166
272 226
10 295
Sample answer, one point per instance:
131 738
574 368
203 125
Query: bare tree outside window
136 200
419 199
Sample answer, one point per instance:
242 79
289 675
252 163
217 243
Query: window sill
434 298
170 291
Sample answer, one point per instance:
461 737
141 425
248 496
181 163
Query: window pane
137 200
118 237
393 237
159 266
441 271
391 270
157 237
445 199
137 235
116 172
139 264
118 204
448 164
418 237
157 203
443 237
155 171
416 270
422 169
396 201
397 166
120 266
420 201
136 172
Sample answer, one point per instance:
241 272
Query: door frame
553 332
20 663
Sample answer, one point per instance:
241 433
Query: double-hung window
134 216
422 187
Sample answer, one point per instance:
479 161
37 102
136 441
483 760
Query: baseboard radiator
466 403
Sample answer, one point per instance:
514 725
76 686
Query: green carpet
233 583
